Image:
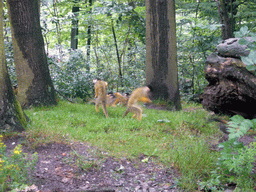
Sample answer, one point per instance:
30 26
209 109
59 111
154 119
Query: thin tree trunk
74 28
89 37
117 54
57 27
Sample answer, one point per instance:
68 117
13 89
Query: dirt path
60 170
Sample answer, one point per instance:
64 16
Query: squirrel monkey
122 99
100 95
110 99
139 94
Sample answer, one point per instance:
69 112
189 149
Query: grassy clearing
176 139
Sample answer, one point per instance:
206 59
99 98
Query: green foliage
236 161
238 126
248 38
213 184
15 168
104 18
71 77
196 39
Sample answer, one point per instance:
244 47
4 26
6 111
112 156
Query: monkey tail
104 106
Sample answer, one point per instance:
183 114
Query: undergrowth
236 160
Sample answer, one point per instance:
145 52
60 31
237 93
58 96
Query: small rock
65 180
151 190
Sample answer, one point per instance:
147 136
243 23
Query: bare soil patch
59 170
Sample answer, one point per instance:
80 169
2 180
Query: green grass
179 140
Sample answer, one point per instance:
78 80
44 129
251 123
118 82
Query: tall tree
227 13
12 117
74 28
120 76
89 38
34 82
161 55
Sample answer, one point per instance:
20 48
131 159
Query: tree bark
35 87
58 27
117 55
231 89
227 9
161 56
89 38
74 28
12 117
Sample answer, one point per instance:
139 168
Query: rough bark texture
227 13
231 89
12 117
34 83
161 59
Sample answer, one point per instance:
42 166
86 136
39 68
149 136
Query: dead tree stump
232 88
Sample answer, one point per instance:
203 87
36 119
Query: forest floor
58 170
80 167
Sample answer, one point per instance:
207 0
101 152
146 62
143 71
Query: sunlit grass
177 139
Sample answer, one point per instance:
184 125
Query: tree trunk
74 28
227 9
35 87
12 118
89 37
117 55
58 27
161 56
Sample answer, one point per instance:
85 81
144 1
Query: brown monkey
110 99
100 95
122 99
139 94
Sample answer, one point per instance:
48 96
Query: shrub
236 160
71 78
16 168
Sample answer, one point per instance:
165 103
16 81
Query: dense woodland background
54 49
85 39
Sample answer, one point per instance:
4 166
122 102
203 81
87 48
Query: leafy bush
71 78
15 168
236 160
249 61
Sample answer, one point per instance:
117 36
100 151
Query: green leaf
244 30
250 60
139 9
237 118
251 67
252 55
243 41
